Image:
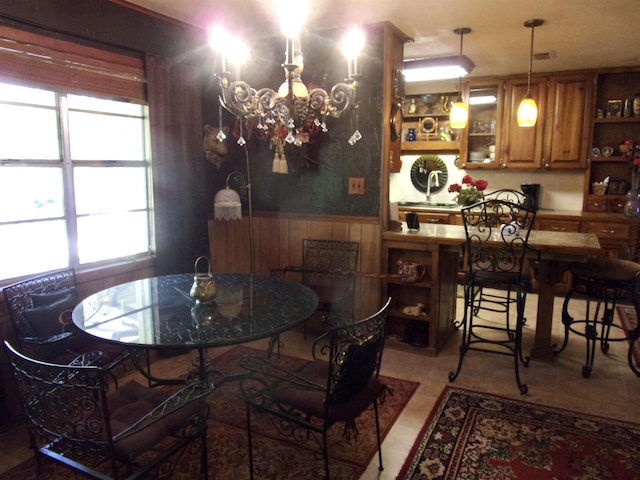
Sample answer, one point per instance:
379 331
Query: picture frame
614 108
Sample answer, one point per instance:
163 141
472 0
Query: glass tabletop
159 311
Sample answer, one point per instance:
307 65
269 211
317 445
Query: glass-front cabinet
480 139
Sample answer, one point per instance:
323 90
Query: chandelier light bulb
459 114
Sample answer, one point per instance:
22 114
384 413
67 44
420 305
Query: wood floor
611 391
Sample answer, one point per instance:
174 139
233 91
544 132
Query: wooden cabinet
426 217
560 137
610 132
616 238
428 116
422 312
481 138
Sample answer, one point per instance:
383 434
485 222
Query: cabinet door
522 146
481 139
566 123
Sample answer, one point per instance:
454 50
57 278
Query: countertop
543 213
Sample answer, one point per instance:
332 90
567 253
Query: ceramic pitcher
410 271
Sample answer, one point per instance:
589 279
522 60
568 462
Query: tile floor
611 391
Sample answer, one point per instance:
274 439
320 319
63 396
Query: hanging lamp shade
528 110
227 205
459 113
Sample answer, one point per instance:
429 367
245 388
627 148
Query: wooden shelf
617 120
431 146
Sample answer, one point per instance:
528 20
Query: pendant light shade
459 113
528 110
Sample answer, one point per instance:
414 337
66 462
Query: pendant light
459 111
528 110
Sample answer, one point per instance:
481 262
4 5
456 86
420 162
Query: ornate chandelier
292 112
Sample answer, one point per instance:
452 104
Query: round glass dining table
160 313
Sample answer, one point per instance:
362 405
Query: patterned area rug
275 458
629 320
473 435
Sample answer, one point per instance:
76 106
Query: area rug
474 435
275 458
629 320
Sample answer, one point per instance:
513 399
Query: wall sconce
528 110
459 113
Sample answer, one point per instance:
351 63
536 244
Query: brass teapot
204 287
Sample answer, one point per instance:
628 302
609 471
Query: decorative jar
411 135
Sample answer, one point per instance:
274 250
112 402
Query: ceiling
579 33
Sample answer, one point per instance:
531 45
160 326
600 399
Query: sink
428 204
441 205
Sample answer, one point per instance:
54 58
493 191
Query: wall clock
396 121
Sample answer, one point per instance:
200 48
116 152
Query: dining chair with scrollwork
329 268
336 387
76 420
497 236
40 311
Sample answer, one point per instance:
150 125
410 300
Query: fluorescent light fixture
429 69
482 100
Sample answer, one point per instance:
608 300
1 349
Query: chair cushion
312 401
609 269
44 320
130 403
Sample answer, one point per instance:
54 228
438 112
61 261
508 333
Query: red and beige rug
275 457
474 435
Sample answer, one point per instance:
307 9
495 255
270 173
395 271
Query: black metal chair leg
250 441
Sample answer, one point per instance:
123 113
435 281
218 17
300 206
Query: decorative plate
420 172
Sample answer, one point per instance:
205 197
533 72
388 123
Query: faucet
433 175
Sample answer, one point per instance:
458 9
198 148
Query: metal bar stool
602 282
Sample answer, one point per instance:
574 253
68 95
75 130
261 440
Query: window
75 180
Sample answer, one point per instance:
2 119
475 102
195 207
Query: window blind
63 65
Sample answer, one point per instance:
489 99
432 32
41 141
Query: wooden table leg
548 273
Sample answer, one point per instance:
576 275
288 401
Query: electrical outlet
356 185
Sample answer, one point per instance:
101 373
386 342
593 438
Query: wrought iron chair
337 386
74 419
40 311
602 283
500 297
497 235
329 269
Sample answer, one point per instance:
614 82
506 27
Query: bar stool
605 282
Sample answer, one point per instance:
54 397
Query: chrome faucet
433 175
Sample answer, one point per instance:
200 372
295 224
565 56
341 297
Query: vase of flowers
469 192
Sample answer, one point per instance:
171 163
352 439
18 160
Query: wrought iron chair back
72 418
497 235
39 291
337 386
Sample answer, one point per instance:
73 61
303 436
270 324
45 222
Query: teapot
204 287
410 272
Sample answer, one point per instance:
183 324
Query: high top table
159 313
556 251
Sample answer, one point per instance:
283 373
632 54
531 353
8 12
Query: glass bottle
632 205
